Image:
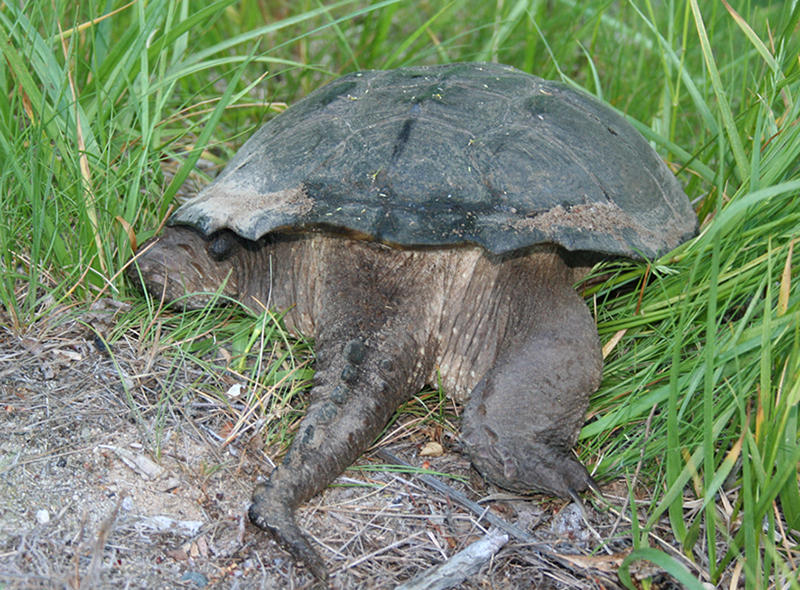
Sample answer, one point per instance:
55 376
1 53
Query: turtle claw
278 520
575 497
573 494
592 484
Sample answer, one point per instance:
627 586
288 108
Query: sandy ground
104 486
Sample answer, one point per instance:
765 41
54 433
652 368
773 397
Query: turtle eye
222 246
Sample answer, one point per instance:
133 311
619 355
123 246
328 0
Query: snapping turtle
422 222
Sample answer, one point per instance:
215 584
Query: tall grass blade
722 99
669 564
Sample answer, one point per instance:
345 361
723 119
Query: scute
445 155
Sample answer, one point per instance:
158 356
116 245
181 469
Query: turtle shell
470 153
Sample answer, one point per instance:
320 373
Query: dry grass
90 440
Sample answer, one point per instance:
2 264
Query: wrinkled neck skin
456 324
181 265
335 288
278 274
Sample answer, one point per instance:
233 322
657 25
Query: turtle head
185 266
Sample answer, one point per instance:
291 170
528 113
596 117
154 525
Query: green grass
104 117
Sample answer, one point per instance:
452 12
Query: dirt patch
600 218
113 476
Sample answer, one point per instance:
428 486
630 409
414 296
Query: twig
92 578
368 556
458 568
545 550
639 464
461 499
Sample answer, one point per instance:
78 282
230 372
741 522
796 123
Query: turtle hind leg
372 355
523 417
351 403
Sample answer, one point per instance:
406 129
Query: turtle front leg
523 417
359 384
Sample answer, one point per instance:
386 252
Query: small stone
234 391
431 449
42 516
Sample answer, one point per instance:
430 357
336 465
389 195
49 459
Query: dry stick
461 499
639 464
458 568
92 578
542 548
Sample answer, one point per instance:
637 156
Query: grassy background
107 109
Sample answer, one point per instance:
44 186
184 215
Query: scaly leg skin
366 367
523 417
352 402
